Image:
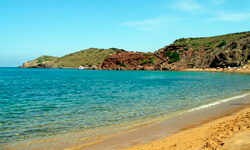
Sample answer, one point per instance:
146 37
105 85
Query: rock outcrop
123 60
232 54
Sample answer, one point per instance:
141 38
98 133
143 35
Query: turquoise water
38 103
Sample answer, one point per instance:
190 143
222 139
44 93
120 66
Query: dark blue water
44 102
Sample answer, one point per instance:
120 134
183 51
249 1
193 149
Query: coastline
144 137
145 134
230 132
151 134
227 70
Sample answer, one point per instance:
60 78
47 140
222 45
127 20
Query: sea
55 106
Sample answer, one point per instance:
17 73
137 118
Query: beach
231 132
228 70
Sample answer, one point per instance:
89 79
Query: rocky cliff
123 60
222 51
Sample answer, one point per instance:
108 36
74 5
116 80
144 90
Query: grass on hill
45 58
89 57
209 43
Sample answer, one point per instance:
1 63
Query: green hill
209 43
88 57
48 60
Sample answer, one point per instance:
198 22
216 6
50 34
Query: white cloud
187 5
148 24
231 17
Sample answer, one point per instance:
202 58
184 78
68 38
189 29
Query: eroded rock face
233 54
123 60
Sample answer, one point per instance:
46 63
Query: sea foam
219 102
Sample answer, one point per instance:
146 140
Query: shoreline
226 70
146 133
155 130
172 126
212 70
228 132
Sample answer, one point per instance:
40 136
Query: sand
237 70
232 132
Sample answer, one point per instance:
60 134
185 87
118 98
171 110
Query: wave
218 102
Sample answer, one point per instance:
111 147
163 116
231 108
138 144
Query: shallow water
41 103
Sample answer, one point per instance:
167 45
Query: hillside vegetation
89 57
40 60
209 43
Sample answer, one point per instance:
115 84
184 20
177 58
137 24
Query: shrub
244 46
151 62
123 65
143 62
174 57
167 54
221 44
195 44
113 48
151 58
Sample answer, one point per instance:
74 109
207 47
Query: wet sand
179 129
231 132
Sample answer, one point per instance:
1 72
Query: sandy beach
231 70
231 132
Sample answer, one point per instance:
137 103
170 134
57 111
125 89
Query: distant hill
205 52
88 58
46 60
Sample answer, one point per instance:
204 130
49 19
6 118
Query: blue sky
31 28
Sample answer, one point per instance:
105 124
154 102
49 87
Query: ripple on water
39 103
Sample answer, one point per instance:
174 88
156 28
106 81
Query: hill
40 62
231 50
87 58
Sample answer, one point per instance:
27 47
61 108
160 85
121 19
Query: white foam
218 102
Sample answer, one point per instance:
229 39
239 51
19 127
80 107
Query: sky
31 28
